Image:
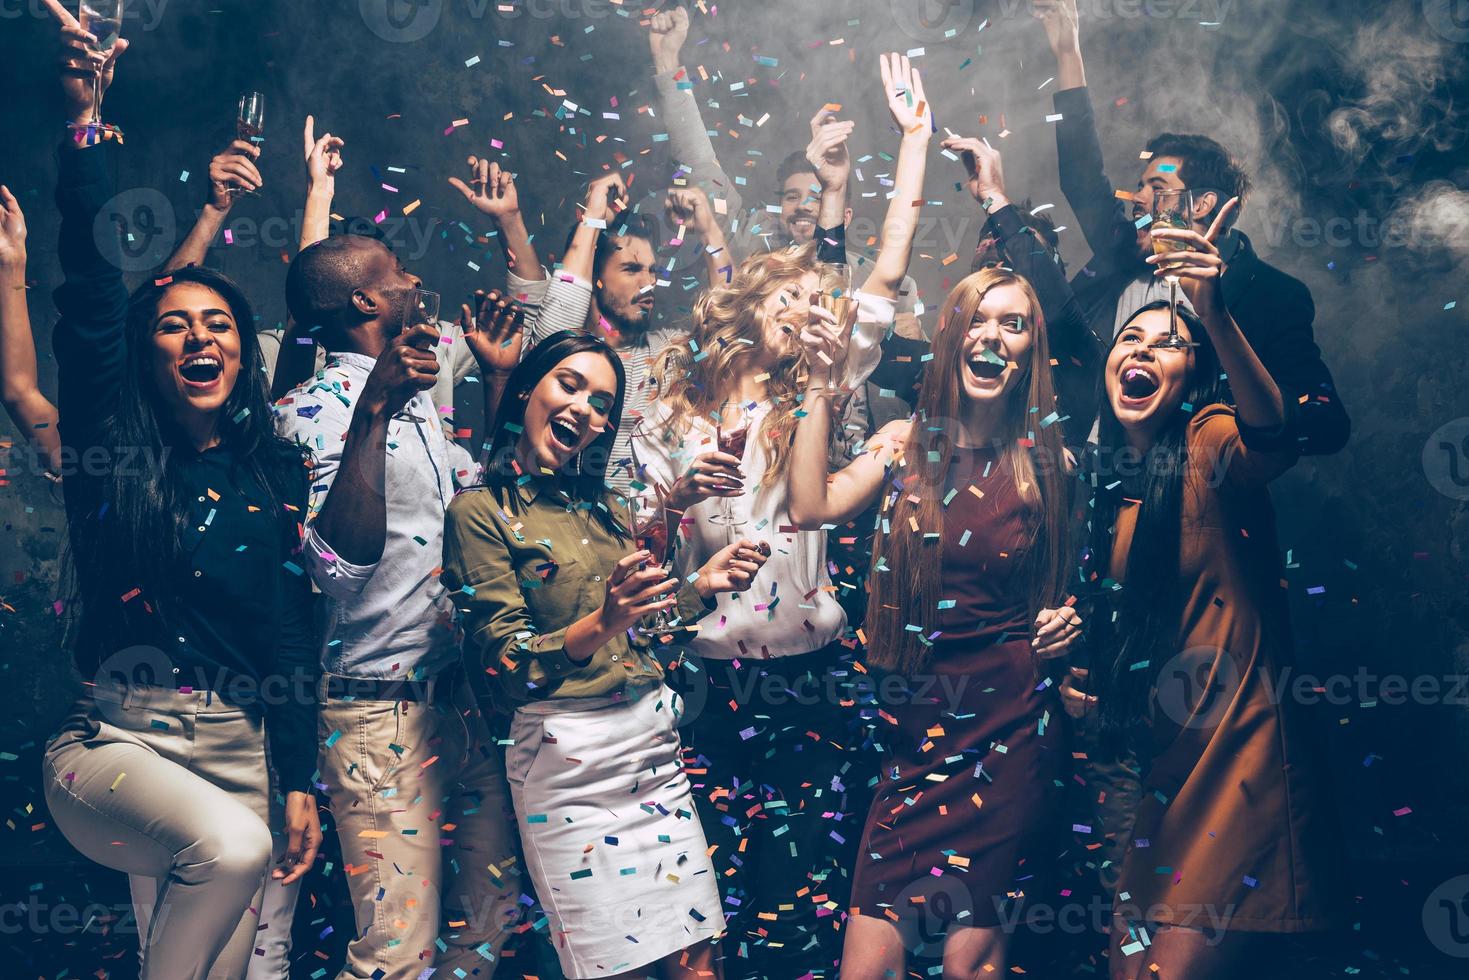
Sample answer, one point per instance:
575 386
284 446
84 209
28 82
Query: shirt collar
353 360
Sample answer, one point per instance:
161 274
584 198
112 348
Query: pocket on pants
526 733
376 728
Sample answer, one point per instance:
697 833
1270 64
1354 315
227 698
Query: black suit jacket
1274 310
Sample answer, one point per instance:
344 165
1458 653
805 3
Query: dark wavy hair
135 533
587 483
1135 626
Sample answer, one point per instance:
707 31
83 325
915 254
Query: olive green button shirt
520 576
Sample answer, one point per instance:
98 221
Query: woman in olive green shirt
549 596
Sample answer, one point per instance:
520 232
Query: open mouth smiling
1139 385
201 370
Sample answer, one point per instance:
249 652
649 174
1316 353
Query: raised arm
688 138
492 191
1258 401
910 111
832 163
20 389
688 209
297 357
232 171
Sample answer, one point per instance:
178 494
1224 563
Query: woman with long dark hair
551 588
966 601
1190 634
192 614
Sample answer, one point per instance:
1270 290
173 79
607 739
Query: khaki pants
421 808
171 789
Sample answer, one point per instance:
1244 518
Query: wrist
665 63
702 585
992 200
320 192
918 136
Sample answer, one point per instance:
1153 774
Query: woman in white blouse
771 733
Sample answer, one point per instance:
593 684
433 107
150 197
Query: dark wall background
1352 117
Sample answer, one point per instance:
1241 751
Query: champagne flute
731 441
423 307
1172 208
250 124
649 528
103 20
836 298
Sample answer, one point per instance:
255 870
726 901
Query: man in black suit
1274 310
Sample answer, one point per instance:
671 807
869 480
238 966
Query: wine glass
250 124
103 20
648 524
731 441
835 297
1172 208
423 307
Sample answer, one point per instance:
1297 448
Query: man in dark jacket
1273 309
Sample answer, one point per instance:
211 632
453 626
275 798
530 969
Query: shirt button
614 658
596 578
198 574
201 500
201 528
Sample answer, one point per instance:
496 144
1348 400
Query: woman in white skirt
551 599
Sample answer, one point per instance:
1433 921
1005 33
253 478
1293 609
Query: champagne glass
1172 208
731 441
423 307
836 298
648 524
103 20
250 124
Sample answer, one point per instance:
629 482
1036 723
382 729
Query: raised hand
689 207
80 68
323 158
12 233
711 474
1062 26
494 331
490 189
606 198
667 32
825 341
233 171
637 587
903 86
986 180
827 151
732 568
1200 268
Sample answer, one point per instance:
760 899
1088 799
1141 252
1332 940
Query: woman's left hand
1055 631
303 837
732 568
1200 268
825 341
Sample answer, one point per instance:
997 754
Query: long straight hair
906 581
1135 626
587 483
135 535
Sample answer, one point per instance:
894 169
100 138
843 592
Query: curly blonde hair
696 377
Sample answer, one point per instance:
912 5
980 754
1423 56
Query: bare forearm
520 254
195 248
494 384
17 346
578 261
316 218
354 519
585 637
1256 396
808 487
833 208
902 217
717 258
1070 71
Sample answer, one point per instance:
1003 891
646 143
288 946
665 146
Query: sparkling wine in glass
423 307
648 524
250 124
731 441
836 298
1172 208
103 20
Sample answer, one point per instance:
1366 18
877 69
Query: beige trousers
172 789
422 811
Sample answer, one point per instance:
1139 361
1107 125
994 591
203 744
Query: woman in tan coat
1228 844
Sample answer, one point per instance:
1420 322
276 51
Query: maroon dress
974 756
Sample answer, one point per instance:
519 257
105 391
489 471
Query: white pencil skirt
611 838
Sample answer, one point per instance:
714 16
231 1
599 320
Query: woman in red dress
966 604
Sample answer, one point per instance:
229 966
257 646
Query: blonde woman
773 749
